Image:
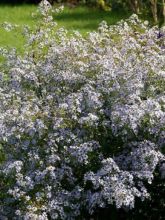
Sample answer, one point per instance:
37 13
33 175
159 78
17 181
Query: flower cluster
81 119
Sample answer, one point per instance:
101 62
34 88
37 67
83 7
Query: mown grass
82 19
20 15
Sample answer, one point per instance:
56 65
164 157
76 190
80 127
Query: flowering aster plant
82 120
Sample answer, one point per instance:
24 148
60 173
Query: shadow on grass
89 18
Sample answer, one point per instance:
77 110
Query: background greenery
81 15
81 18
156 8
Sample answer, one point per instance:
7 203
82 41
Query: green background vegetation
81 15
81 18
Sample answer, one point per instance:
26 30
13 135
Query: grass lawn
82 19
16 15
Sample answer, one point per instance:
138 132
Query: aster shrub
82 120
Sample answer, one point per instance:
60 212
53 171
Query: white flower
81 119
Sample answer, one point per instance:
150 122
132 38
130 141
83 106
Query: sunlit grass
20 15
